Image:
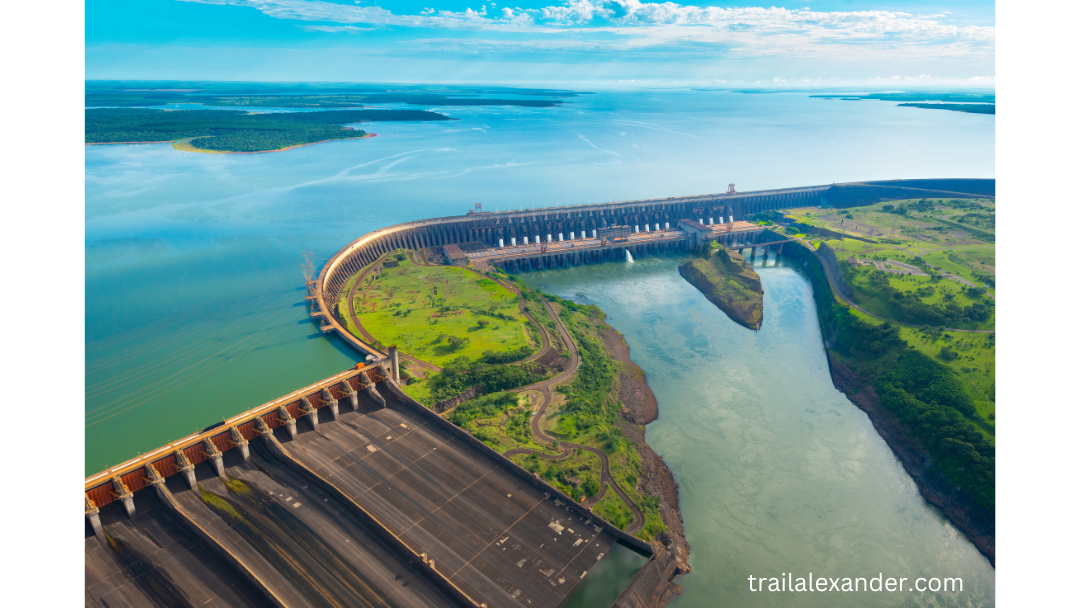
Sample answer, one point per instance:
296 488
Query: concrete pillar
572 237
710 221
753 251
594 233
348 390
538 239
667 225
124 494
500 243
701 220
526 241
513 241
310 413
239 441
549 237
92 516
560 237
329 401
636 229
369 388
395 369
185 467
646 227
158 483
731 219
289 421
215 457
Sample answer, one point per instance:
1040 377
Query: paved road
567 447
836 290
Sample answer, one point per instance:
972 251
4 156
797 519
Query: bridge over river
348 492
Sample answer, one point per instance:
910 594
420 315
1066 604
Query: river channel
779 472
195 312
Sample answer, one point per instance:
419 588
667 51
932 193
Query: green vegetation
971 108
443 313
728 282
577 475
948 412
499 419
235 131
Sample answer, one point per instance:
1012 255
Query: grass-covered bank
939 433
725 278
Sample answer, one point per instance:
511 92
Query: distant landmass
234 130
972 108
301 95
918 96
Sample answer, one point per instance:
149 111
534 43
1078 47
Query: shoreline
971 519
640 408
183 145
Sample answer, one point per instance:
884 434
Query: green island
971 108
235 131
728 282
912 343
488 353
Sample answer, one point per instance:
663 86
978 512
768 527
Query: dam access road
354 494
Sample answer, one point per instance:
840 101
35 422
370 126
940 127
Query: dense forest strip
236 131
920 407
971 108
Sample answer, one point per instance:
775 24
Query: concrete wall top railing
132 472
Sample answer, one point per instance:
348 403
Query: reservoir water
194 303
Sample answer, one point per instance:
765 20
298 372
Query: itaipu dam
352 493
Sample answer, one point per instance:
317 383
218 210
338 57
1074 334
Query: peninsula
235 131
728 282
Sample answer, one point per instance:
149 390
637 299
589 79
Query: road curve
836 289
567 447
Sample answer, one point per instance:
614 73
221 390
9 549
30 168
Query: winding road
836 290
544 388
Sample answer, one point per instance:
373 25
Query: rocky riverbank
958 506
639 409
730 283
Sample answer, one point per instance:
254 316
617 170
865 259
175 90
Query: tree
456 342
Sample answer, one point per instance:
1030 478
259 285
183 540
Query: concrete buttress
329 401
124 494
186 468
310 413
369 387
348 390
215 457
239 441
289 421
92 516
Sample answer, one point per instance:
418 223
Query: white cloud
335 28
632 24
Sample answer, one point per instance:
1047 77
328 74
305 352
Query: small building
613 233
455 256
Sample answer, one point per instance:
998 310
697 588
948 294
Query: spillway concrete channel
478 533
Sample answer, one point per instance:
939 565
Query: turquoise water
194 300
778 471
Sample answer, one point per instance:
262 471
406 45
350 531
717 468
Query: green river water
778 471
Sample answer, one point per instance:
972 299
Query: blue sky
813 43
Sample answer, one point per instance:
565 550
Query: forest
235 131
927 396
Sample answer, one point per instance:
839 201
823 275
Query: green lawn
932 292
425 309
577 475
975 363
